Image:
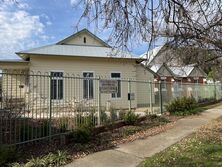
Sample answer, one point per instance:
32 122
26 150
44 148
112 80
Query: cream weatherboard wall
145 87
14 83
102 67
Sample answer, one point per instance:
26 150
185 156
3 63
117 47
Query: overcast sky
34 23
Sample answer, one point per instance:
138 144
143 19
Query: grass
204 148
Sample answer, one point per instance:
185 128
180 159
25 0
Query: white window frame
120 84
88 87
63 89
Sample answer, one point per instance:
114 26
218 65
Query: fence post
151 96
215 91
99 103
129 94
50 108
161 97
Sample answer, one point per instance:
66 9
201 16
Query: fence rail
35 106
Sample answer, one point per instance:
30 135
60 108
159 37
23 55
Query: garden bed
104 139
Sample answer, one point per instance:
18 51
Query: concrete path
132 154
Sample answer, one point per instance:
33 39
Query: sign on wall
108 86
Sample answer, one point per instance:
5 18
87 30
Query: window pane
117 76
57 74
57 85
53 89
87 74
88 85
85 89
90 89
60 89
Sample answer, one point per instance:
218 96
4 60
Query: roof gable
197 71
161 70
164 71
85 38
182 71
150 55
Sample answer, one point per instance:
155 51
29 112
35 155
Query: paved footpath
132 154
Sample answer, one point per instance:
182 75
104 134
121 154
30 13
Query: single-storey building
177 80
170 68
69 73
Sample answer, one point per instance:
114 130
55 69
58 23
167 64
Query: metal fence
35 106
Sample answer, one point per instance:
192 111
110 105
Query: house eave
24 56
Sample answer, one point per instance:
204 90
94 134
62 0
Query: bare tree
195 23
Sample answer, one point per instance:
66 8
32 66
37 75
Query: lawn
203 148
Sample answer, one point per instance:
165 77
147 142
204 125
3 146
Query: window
57 85
88 85
163 85
117 76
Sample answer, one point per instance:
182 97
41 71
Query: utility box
131 96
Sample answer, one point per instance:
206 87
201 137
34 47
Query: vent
84 39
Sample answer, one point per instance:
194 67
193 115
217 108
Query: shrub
84 131
63 124
81 135
131 118
7 154
183 106
35 162
16 165
113 115
122 114
206 100
50 160
88 121
61 158
104 117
